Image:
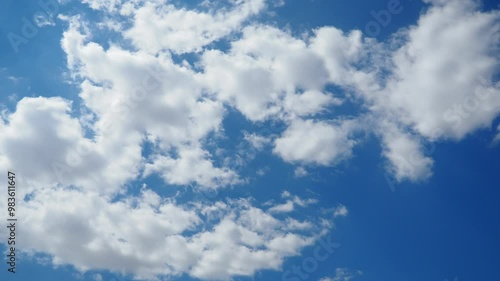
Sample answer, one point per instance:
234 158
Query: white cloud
248 87
312 142
269 73
286 194
439 84
193 165
137 97
282 208
43 19
433 79
291 202
405 153
158 236
31 139
340 211
431 84
309 102
293 224
257 141
300 172
339 52
185 30
108 5
343 274
46 145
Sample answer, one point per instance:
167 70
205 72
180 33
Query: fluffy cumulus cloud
46 145
139 98
291 203
185 30
160 237
442 85
193 166
340 211
164 83
314 143
406 154
269 74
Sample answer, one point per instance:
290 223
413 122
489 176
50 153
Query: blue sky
232 140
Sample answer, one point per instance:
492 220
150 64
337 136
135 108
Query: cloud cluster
427 83
159 236
168 84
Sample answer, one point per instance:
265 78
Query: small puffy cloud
43 19
310 142
292 201
258 142
300 172
282 208
343 274
340 211
293 224
406 156
286 194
